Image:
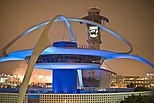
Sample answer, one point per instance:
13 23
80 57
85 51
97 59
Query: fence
71 98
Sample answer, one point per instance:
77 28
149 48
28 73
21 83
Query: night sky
132 19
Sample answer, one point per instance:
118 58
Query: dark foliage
141 89
139 99
131 85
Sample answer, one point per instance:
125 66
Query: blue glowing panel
64 81
50 66
65 44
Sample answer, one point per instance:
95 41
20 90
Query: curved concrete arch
41 44
105 29
129 56
4 49
107 55
44 42
62 18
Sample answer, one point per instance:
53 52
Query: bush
139 99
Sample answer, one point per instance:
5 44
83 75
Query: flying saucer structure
65 58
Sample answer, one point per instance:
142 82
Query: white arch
41 45
60 17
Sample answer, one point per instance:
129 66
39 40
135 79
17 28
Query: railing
71 98
83 46
88 98
10 98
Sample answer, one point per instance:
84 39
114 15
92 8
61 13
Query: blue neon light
107 55
105 29
129 56
69 27
58 50
52 66
9 58
20 55
64 81
62 18
34 28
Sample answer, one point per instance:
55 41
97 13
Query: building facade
134 81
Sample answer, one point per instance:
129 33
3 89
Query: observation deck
68 59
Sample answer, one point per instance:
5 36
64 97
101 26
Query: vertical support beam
41 44
80 78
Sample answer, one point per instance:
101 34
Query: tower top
94 15
94 11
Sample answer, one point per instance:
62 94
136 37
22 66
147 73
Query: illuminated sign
93 31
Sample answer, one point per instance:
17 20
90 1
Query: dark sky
132 19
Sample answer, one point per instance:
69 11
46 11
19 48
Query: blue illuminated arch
105 29
129 56
96 24
62 18
21 55
107 55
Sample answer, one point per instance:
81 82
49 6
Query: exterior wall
104 80
94 43
102 76
74 98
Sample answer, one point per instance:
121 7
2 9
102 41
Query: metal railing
71 98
